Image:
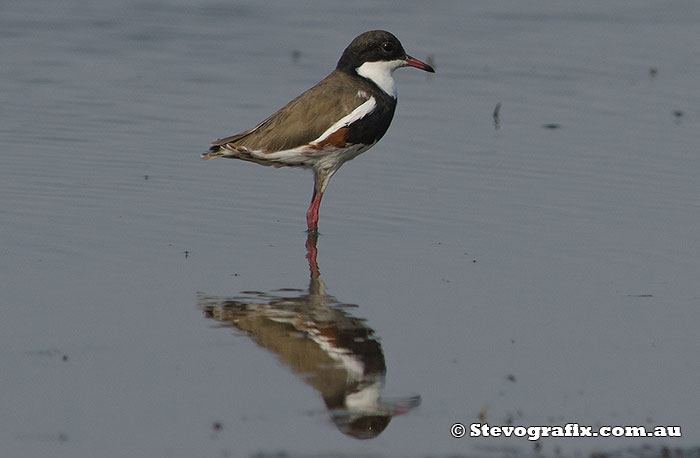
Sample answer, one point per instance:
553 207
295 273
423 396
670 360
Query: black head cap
375 46
371 46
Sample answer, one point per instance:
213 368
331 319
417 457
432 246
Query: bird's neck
380 73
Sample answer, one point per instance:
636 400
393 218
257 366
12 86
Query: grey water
539 267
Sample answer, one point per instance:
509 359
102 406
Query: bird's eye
387 47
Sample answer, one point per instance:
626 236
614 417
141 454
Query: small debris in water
552 125
216 426
187 254
65 358
145 177
296 56
497 116
653 71
511 377
482 413
678 113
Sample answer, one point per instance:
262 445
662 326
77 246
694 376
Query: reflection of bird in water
312 333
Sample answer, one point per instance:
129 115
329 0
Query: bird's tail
214 151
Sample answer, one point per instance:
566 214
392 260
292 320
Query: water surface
538 273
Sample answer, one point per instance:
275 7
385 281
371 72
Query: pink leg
312 212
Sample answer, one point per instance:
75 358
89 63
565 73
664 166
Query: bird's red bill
413 62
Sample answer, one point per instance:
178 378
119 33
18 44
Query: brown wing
302 120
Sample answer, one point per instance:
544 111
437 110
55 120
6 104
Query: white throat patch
380 73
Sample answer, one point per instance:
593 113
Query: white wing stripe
358 113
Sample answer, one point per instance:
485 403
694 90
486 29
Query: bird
342 116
